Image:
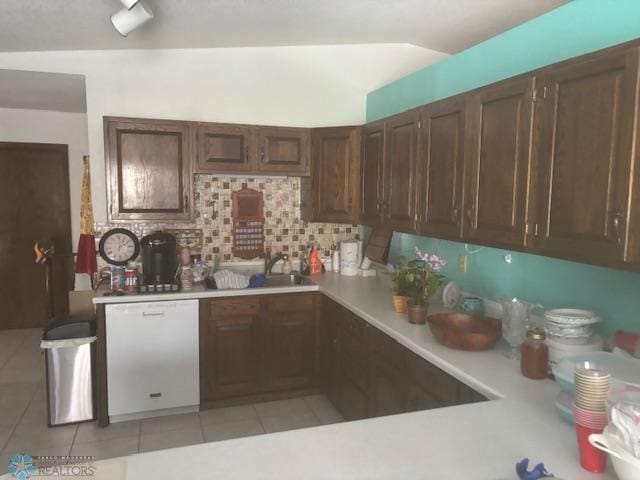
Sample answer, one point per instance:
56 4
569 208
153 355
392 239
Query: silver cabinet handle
153 314
155 395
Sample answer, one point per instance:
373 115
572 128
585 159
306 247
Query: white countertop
477 441
198 291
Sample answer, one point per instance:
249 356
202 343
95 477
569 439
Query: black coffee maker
159 263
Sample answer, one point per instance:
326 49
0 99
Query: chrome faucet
270 263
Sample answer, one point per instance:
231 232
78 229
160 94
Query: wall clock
119 246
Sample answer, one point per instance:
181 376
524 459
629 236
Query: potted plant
401 286
423 280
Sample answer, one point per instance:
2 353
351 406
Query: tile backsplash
284 230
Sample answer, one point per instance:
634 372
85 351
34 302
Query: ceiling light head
134 14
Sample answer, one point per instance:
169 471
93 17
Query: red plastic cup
591 459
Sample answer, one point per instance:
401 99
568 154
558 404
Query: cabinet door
149 170
400 172
290 342
388 390
283 151
500 121
468 395
335 155
585 155
441 168
225 148
230 348
372 174
420 398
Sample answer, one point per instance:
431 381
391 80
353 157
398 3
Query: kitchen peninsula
477 440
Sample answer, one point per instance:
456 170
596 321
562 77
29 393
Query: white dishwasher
152 357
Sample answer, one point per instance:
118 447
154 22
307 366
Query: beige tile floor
23 418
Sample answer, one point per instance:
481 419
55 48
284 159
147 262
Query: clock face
119 246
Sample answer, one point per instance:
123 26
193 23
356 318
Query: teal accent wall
555 283
578 27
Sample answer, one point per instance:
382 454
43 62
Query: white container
559 349
350 252
335 261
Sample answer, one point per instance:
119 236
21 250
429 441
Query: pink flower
434 262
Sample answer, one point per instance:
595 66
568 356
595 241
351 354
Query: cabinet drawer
241 306
437 383
387 350
291 303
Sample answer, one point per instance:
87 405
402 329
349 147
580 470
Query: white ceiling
443 25
59 92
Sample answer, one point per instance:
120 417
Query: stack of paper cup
592 387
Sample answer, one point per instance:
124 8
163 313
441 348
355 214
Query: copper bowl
465 332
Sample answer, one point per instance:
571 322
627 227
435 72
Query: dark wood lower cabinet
374 375
230 347
256 345
274 346
290 342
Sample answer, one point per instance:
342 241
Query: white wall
297 86
42 126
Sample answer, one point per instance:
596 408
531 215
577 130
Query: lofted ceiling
446 26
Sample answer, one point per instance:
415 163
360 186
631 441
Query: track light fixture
134 14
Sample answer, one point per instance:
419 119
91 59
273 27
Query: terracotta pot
399 303
417 313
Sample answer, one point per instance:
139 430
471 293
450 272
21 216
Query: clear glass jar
534 361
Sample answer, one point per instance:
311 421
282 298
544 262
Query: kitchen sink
286 280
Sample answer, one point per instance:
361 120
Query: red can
131 280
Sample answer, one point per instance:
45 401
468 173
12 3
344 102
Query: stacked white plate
570 326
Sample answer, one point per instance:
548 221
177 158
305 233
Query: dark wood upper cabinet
225 148
586 149
331 193
230 347
440 168
400 171
283 151
148 170
498 162
372 173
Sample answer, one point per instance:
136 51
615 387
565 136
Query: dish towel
86 256
227 279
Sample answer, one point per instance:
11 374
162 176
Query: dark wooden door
225 148
335 154
283 151
290 343
349 388
388 376
388 390
372 174
230 348
34 205
400 172
441 168
149 170
499 145
585 156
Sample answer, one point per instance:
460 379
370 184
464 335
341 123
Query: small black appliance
159 263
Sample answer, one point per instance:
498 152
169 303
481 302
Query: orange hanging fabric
86 259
